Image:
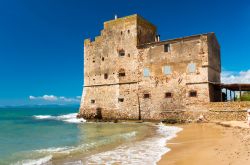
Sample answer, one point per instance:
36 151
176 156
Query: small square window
146 72
92 101
122 74
167 70
191 67
121 100
168 95
102 58
106 76
193 94
167 48
146 96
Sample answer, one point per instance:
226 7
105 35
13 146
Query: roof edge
174 39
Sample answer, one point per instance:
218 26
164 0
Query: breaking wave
35 161
148 151
69 118
59 152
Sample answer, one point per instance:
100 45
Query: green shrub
244 97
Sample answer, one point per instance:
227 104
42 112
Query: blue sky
41 41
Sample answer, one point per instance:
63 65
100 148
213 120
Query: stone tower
130 74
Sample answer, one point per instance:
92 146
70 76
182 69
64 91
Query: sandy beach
207 144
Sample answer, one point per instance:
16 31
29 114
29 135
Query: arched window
121 53
121 73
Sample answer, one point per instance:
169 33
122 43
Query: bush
244 97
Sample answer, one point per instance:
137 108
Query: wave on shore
148 151
46 155
40 161
70 118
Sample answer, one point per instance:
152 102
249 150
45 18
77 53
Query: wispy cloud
53 98
235 77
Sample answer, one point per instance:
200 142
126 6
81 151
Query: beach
208 143
53 135
61 138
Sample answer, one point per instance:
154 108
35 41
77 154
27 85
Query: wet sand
208 144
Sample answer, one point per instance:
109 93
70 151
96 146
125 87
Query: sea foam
69 118
148 151
40 161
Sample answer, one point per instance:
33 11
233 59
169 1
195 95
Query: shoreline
155 143
208 143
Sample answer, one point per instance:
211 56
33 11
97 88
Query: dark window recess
102 58
93 61
146 96
128 31
120 99
193 94
92 101
106 76
121 32
167 48
98 113
121 53
121 74
168 95
128 55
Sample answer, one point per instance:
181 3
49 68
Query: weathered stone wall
180 81
106 99
102 55
220 110
146 31
104 88
113 96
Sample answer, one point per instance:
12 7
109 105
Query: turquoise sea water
20 131
54 136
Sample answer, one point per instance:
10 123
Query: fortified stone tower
111 68
130 74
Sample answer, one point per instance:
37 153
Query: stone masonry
130 74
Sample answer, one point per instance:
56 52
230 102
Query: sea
53 135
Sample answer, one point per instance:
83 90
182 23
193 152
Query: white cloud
50 98
235 77
65 99
32 97
53 98
78 97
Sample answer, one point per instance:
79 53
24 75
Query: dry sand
205 144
